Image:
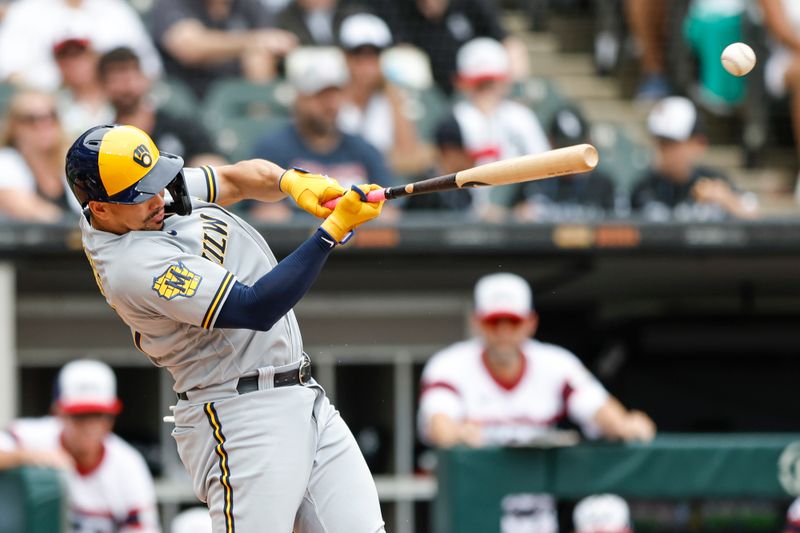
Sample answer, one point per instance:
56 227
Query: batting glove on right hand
310 191
352 211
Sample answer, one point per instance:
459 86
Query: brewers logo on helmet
122 165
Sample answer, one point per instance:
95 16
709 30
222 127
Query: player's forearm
616 422
255 179
11 459
193 44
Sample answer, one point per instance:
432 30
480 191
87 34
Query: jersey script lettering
215 238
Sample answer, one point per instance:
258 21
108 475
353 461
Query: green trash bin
32 500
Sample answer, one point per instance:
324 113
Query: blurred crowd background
392 91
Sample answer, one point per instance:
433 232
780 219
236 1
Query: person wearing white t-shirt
505 388
493 127
373 107
109 487
31 28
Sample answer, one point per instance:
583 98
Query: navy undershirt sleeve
259 307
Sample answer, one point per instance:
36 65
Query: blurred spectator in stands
3 8
647 20
127 88
577 196
32 149
373 107
81 100
32 27
109 486
314 22
677 187
206 40
793 518
505 388
194 520
602 513
782 71
493 127
313 140
441 27
451 157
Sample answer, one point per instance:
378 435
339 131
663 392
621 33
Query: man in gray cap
313 140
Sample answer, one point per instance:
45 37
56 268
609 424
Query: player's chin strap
181 201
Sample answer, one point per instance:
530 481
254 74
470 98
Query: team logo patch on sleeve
177 281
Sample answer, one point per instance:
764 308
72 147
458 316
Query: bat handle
372 196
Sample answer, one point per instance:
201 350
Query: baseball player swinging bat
569 160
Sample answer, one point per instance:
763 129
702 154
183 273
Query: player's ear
99 210
533 323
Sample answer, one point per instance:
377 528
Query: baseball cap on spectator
310 70
602 513
87 386
482 59
503 295
364 29
674 119
70 43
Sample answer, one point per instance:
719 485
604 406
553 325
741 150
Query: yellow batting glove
310 191
351 211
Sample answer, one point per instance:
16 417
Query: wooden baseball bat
560 162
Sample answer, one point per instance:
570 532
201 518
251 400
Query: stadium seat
237 136
620 157
425 108
236 99
541 95
6 91
174 96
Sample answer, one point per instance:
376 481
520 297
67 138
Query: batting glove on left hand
310 191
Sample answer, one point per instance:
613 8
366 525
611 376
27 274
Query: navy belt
295 376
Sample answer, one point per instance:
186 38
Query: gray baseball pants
275 460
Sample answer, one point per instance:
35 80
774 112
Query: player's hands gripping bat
352 210
310 191
569 160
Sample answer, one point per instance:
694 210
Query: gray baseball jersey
276 459
168 287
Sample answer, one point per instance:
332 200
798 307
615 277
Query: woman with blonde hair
32 149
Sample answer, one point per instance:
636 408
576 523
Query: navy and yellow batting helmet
122 165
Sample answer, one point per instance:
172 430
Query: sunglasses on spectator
495 321
33 118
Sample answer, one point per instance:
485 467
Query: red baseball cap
69 42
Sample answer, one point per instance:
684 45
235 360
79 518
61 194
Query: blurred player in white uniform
602 513
493 127
505 388
110 489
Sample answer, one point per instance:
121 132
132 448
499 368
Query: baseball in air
738 59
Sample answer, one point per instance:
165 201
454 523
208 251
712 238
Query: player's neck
505 365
